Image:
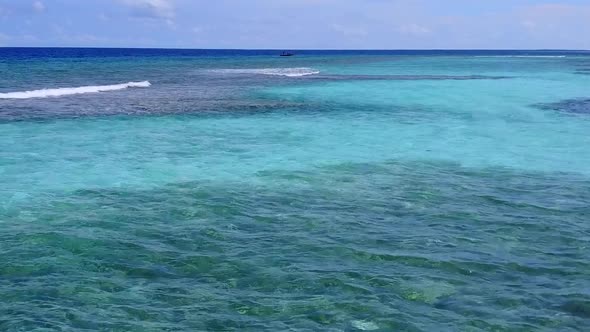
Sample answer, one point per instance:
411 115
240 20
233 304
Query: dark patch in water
572 106
577 308
59 108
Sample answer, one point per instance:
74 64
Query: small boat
287 54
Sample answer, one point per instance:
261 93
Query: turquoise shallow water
324 192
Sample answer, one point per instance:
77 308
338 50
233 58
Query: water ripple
305 250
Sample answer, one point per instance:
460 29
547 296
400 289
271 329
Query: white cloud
29 38
414 29
38 6
557 25
161 9
351 31
309 23
529 24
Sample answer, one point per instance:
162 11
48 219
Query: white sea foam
364 325
72 91
288 72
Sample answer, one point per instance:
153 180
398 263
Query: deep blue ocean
234 190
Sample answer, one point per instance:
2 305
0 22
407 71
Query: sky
298 24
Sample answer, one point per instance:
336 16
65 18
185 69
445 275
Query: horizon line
300 49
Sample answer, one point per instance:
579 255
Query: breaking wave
288 72
43 93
